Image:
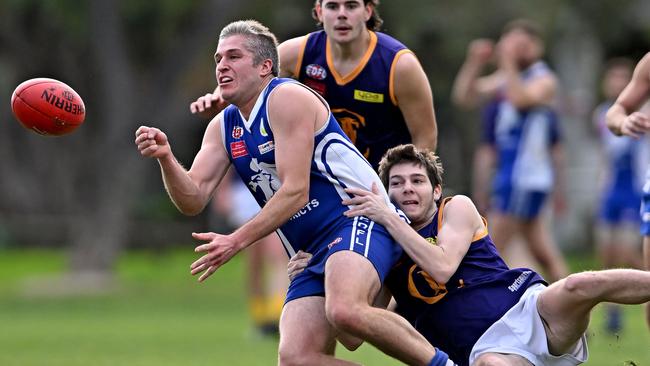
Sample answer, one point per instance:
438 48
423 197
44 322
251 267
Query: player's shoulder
459 205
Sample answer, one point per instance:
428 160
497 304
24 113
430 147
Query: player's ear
266 68
369 9
437 192
318 11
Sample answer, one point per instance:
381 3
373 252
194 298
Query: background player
452 284
374 85
520 139
286 145
625 160
266 261
624 118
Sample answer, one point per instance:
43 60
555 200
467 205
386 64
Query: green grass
159 315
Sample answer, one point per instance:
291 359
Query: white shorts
520 331
244 206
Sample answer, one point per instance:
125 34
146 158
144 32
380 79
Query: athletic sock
441 359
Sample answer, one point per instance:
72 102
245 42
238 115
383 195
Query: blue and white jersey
627 157
336 164
523 140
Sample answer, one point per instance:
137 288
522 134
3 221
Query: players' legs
565 306
306 337
500 359
502 228
544 248
351 284
267 282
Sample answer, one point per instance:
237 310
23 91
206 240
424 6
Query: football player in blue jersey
625 160
454 287
375 86
521 148
624 118
284 143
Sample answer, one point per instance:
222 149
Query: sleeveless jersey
523 139
454 315
336 164
627 157
363 102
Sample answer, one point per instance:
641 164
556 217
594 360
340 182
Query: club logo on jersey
366 96
433 241
238 149
265 179
422 286
351 122
315 71
237 132
334 242
263 130
266 147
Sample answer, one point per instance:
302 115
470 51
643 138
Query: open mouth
224 80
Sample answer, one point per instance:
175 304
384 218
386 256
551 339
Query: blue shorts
619 206
360 235
645 207
523 204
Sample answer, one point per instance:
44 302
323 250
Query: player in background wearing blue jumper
624 118
287 147
520 141
625 160
453 286
374 85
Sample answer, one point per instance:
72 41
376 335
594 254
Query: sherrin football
48 106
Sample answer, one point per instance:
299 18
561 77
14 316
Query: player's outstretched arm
415 100
470 87
623 117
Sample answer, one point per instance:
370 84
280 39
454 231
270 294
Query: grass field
156 314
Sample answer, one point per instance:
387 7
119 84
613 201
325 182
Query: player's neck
417 225
352 51
247 105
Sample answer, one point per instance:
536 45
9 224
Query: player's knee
490 359
344 317
291 357
584 284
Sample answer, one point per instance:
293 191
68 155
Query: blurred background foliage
142 62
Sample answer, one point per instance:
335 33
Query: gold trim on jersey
391 77
301 55
476 237
342 80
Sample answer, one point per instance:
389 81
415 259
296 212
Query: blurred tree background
142 62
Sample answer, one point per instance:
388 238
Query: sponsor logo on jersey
334 242
317 86
315 71
306 209
237 132
266 147
238 149
366 96
433 241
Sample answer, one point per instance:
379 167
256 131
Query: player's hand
152 142
219 250
480 50
298 263
208 105
367 203
635 125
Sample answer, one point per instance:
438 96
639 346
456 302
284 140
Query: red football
48 106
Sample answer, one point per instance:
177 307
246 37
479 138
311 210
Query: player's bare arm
208 105
439 261
290 52
470 87
623 117
189 190
415 100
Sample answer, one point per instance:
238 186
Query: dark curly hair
373 24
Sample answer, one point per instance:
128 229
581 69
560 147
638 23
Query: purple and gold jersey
363 101
454 315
